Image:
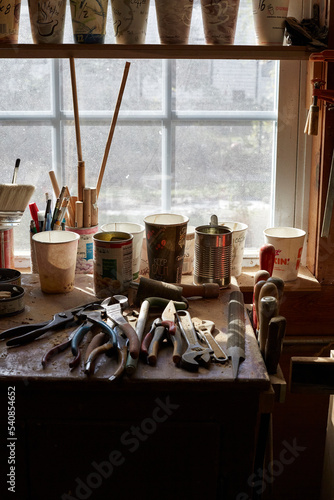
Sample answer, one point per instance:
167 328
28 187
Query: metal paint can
112 263
14 304
10 277
213 255
85 257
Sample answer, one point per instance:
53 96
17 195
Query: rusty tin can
112 263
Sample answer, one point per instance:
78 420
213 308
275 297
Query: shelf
114 51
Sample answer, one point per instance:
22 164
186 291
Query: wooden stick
94 209
54 182
81 179
76 108
87 207
112 128
78 214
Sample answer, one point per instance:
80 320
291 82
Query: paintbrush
15 197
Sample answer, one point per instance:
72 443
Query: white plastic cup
137 231
269 21
288 243
130 21
56 254
239 230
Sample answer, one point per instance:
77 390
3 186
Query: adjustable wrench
195 354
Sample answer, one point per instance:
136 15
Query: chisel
268 309
267 258
235 347
274 343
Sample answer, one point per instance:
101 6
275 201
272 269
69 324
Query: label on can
112 263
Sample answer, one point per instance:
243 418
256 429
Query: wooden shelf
114 51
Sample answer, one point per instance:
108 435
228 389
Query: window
196 137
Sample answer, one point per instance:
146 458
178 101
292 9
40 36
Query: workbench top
24 363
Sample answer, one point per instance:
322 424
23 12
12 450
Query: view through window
196 137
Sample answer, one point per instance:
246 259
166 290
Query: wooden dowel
87 207
94 208
54 183
76 109
81 179
78 214
112 128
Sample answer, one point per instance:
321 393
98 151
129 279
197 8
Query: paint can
7 248
14 304
10 277
85 255
112 263
213 255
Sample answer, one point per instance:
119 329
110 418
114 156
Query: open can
112 263
213 252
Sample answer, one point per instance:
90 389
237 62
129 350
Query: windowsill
305 282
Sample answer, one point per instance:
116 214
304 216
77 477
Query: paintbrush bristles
15 197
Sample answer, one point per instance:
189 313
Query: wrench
204 329
195 354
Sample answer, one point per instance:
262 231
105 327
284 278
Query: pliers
24 334
161 328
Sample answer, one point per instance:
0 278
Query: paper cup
89 20
47 20
239 230
166 240
174 19
130 20
269 21
9 21
56 254
137 231
288 243
220 21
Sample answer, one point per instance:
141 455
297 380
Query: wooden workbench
161 432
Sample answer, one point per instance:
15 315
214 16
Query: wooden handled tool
274 343
235 347
267 258
268 309
256 293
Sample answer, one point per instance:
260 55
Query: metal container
10 277
213 255
14 304
112 263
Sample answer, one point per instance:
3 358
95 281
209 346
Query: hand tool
204 329
195 353
268 309
256 293
280 288
114 313
235 346
274 344
97 341
166 327
261 275
153 288
131 363
328 212
24 334
267 257
268 288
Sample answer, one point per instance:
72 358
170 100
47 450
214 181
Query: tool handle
206 290
89 365
34 334
177 346
96 342
78 335
154 345
273 348
261 275
256 293
146 341
20 330
122 363
268 309
134 343
55 350
131 363
267 257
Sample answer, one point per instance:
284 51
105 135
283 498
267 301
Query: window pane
225 85
225 170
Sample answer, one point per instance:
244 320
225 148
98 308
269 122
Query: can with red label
112 263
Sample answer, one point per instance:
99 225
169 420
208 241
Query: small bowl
10 277
14 304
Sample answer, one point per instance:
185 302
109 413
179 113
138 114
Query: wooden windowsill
305 282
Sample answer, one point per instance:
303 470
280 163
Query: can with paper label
112 263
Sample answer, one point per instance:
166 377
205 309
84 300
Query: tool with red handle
267 258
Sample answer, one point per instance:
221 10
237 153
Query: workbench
163 432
